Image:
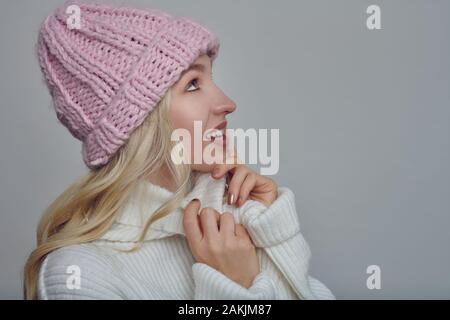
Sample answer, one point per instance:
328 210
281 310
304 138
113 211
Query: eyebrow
197 66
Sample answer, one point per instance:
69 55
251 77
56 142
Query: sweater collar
148 197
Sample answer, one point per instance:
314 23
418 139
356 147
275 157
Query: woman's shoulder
75 254
78 271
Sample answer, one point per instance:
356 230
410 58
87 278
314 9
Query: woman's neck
163 178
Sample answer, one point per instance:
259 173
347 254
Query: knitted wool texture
108 75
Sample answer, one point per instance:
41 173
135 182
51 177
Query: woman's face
195 97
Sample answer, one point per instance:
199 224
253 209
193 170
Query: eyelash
196 80
189 85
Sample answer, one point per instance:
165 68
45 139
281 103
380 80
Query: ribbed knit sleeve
277 229
96 280
274 224
211 284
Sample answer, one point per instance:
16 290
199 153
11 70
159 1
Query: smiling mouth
215 134
217 131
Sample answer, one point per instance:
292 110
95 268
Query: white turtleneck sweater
164 267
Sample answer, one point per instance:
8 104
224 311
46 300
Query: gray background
363 118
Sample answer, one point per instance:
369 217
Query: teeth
214 134
218 134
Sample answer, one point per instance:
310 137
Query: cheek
184 116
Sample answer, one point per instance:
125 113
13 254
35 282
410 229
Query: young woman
139 225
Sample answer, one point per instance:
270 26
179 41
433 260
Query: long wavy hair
89 206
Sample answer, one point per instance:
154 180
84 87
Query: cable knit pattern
164 267
109 74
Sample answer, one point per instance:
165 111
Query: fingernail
231 198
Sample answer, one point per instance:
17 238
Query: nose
227 107
222 104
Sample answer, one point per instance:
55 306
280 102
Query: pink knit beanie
108 75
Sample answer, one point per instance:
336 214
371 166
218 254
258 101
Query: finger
210 222
231 162
240 230
227 224
217 216
235 184
220 170
246 187
191 221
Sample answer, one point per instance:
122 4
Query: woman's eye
195 80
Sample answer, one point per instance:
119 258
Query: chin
202 167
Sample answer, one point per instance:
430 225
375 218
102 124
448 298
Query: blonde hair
88 207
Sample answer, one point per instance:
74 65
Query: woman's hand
217 241
246 184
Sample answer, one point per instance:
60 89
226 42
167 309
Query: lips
219 130
221 125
